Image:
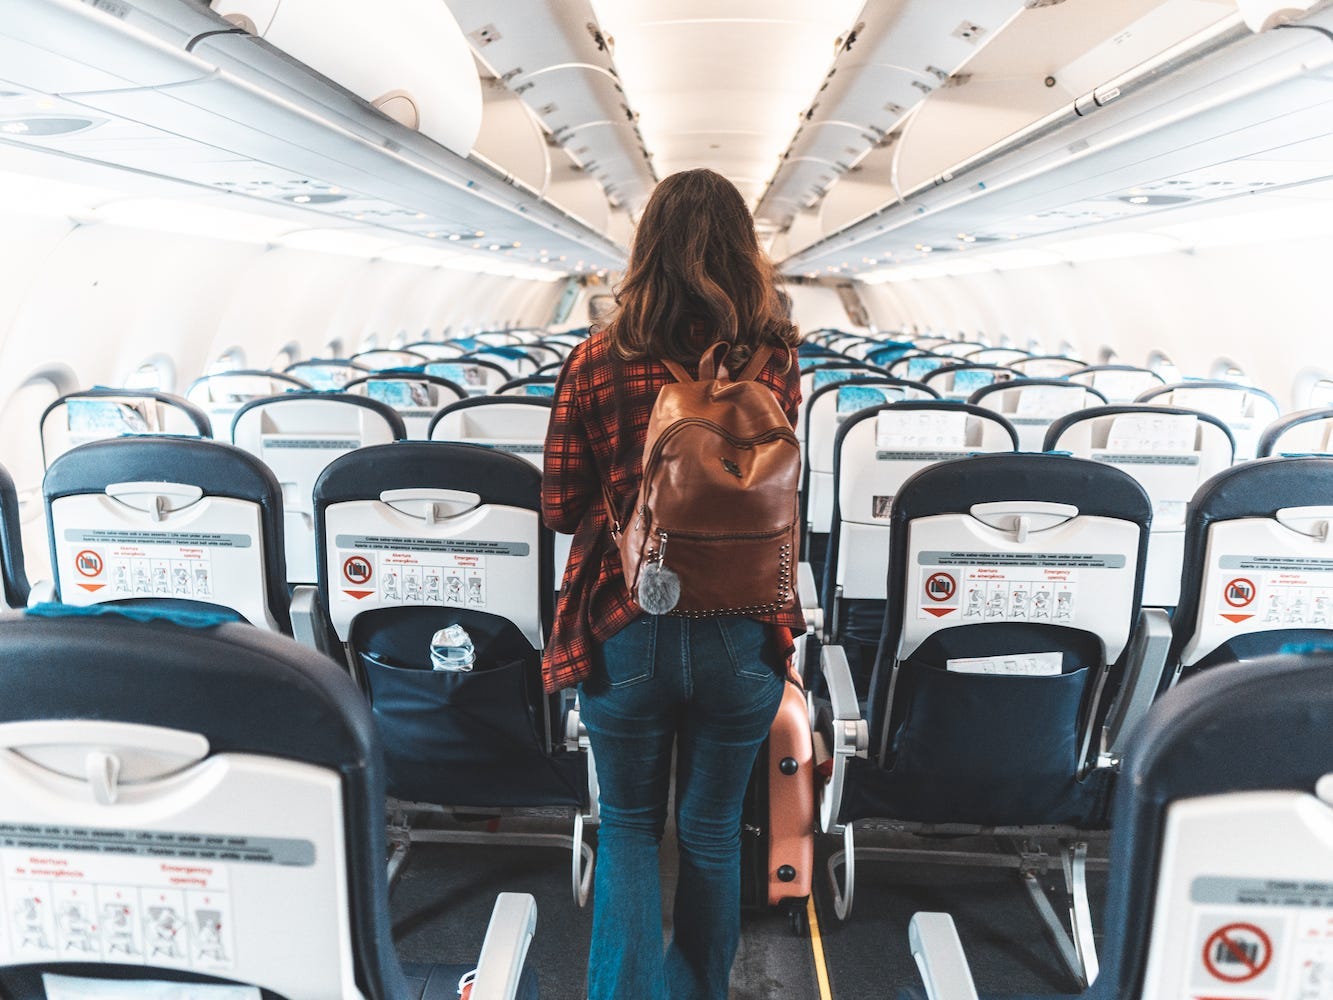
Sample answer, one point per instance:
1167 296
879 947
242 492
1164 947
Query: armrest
939 956
809 595
850 736
513 923
838 677
1145 663
41 592
308 618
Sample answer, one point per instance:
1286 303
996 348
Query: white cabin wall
1257 304
815 306
90 303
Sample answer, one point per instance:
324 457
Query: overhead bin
408 58
1197 122
236 115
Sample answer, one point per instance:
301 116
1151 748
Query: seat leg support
844 889
1080 911
1031 874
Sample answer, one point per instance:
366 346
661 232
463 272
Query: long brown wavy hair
697 276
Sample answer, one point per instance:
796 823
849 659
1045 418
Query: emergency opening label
125 896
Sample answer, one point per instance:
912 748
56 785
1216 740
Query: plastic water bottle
451 649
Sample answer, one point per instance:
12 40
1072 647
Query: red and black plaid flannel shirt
596 435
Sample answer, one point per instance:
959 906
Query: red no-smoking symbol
940 586
89 563
1239 593
357 569
1237 953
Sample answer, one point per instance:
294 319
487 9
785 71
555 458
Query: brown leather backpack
717 506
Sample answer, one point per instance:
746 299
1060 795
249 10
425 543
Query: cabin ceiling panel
723 88
1024 64
905 50
546 55
251 124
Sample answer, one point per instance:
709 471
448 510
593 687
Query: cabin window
1159 362
287 356
1225 370
1321 393
156 374
1313 387
230 360
20 430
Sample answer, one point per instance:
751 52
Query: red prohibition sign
940 586
1242 590
88 563
1223 946
357 569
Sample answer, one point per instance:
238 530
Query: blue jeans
710 686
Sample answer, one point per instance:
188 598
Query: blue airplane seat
1220 854
99 413
13 575
875 451
215 815
1305 432
1014 588
416 537
175 521
1257 573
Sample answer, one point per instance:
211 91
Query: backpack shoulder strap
756 365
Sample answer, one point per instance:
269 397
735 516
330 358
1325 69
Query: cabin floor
442 902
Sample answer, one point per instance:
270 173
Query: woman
710 685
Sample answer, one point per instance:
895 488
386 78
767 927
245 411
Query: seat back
1120 384
384 359
434 524
436 350
168 521
296 435
959 381
1258 567
1306 432
1046 366
327 374
418 536
1014 589
1246 411
98 414
514 360
958 348
514 424
416 397
875 452
222 394
887 352
533 385
1170 451
13 576
498 338
1223 816
1031 404
478 377
916 365
223 787
826 410
996 355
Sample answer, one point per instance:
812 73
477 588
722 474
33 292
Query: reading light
43 126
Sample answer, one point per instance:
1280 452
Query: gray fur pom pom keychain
659 587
